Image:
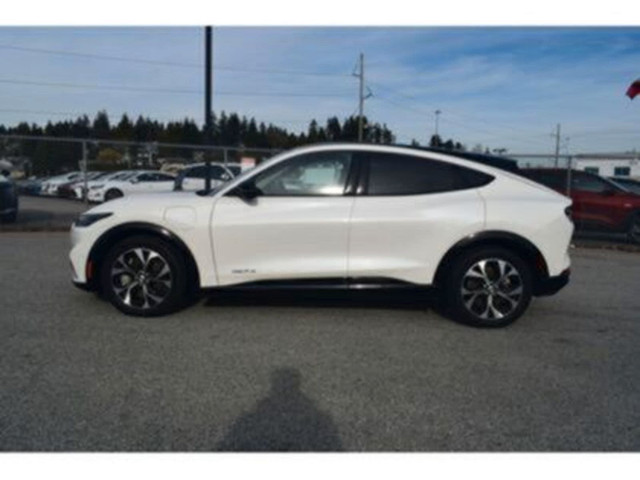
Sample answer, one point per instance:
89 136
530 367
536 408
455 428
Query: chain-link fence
38 157
31 159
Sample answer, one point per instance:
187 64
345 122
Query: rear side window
552 179
391 174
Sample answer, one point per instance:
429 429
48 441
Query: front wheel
113 194
144 276
634 228
488 287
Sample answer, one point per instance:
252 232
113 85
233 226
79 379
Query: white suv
349 215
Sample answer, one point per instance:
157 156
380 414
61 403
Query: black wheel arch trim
110 237
530 253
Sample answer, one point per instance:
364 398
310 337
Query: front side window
391 174
320 173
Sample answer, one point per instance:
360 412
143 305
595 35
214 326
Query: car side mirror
247 191
134 180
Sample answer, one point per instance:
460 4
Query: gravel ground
314 372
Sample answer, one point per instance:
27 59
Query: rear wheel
9 217
144 276
113 194
489 287
634 228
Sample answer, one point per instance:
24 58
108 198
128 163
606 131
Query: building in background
622 165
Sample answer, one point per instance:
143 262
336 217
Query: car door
296 228
408 212
597 203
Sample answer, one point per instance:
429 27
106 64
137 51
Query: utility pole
208 90
437 112
361 102
557 135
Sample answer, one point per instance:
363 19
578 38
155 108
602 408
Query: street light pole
437 112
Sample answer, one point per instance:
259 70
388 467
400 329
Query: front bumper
96 196
552 285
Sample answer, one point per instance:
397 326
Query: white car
339 215
50 186
93 178
193 177
146 181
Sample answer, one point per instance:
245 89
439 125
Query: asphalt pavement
314 372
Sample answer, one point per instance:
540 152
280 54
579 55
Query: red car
598 203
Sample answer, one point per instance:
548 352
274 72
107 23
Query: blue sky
501 87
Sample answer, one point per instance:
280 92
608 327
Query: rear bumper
552 285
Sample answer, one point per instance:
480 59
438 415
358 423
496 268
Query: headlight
87 219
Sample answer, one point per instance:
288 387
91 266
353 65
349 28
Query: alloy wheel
492 289
141 278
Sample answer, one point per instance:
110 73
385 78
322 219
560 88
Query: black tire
633 233
112 194
116 281
474 307
9 217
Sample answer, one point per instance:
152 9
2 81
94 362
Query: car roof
503 163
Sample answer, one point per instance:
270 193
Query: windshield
616 185
624 186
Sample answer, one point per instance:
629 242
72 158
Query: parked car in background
98 183
50 186
193 177
630 184
142 181
74 188
8 200
598 203
29 186
336 216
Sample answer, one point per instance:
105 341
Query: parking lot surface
310 372
45 213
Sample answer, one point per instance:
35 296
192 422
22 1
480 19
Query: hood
151 201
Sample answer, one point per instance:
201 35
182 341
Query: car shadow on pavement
286 420
375 299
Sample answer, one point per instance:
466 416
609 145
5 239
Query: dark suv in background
8 200
598 203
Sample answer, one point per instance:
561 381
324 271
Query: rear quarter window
393 174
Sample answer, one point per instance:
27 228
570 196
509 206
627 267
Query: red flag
634 89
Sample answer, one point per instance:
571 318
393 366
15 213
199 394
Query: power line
425 114
163 63
449 112
163 90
